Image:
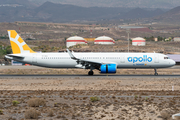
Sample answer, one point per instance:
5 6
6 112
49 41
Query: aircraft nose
173 62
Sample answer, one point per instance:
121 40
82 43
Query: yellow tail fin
17 43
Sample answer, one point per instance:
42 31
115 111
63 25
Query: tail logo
17 43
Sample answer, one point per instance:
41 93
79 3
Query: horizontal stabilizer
19 56
7 57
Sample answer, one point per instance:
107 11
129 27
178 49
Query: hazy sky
118 3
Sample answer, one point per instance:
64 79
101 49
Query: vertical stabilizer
17 43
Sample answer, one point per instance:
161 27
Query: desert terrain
87 98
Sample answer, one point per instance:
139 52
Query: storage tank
104 40
75 40
138 41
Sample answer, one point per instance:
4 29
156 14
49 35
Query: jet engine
108 68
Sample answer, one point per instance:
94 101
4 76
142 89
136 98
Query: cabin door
156 58
122 59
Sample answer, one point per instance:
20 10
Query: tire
90 73
156 74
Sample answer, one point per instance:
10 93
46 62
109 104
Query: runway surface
86 76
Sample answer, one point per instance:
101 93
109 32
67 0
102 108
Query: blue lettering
135 59
140 59
144 56
130 59
149 59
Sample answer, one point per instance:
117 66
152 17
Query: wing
86 63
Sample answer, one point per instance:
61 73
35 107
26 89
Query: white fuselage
122 60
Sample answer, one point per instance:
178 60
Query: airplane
105 62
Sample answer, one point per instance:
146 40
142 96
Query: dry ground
70 98
80 83
76 104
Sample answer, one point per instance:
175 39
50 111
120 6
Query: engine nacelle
108 68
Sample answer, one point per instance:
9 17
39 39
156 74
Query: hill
51 12
61 13
167 4
24 3
172 16
141 13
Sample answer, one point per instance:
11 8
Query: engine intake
108 68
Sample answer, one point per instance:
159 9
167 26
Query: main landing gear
90 73
156 74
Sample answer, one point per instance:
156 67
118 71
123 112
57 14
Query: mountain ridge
171 16
51 12
25 3
117 3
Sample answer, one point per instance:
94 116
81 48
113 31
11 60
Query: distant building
177 39
75 41
167 39
156 39
138 41
104 40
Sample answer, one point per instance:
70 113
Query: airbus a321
105 62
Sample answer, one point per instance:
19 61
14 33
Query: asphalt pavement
86 76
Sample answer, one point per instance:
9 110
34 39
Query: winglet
71 55
17 43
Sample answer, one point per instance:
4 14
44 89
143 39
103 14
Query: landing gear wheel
90 73
156 74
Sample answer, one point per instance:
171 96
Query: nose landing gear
156 74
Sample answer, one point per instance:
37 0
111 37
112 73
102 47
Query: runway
86 76
173 72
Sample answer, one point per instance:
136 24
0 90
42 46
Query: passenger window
166 58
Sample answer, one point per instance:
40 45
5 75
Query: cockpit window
166 57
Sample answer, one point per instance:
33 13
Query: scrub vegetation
32 114
114 104
36 102
94 99
15 103
4 50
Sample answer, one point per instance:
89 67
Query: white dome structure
138 41
104 40
75 40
